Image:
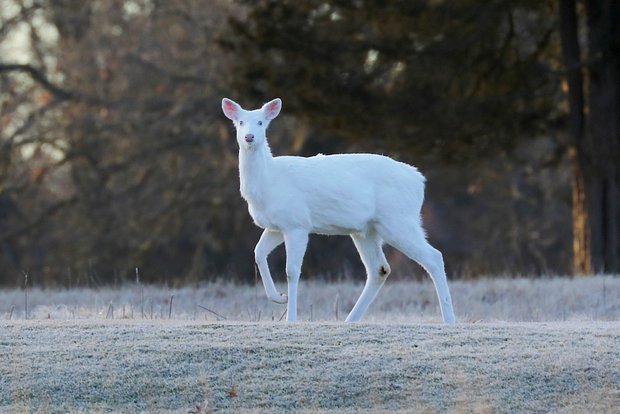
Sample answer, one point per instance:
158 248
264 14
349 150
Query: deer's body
372 198
348 193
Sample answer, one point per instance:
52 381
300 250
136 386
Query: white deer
371 198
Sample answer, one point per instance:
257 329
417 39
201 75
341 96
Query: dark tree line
114 153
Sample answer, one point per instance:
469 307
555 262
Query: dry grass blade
25 295
212 312
170 308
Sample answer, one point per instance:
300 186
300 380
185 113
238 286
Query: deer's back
344 193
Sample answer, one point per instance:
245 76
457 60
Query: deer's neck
254 172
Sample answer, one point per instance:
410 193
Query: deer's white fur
371 198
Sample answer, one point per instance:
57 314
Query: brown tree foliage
141 164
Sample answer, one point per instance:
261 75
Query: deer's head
251 125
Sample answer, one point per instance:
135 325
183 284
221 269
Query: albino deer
371 198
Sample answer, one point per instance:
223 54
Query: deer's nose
249 137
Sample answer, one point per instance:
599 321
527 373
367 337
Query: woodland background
114 153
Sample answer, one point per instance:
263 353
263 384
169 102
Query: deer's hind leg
370 250
409 238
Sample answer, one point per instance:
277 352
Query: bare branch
40 77
32 117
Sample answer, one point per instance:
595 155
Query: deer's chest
260 217
271 210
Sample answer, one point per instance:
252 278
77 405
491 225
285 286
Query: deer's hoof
282 299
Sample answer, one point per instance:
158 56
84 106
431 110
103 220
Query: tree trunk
574 80
601 148
582 264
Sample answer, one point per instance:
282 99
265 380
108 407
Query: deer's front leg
269 240
295 242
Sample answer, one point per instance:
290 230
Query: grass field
77 353
499 299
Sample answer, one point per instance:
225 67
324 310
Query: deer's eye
240 122
260 122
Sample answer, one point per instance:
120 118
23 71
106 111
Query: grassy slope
164 366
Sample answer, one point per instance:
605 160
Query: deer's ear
272 108
231 109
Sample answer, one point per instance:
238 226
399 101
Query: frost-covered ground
519 300
169 366
521 345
